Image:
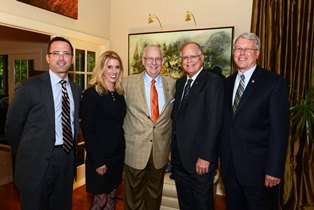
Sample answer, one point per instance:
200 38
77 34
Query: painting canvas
63 7
216 44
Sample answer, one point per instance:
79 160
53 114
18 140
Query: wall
131 17
93 23
15 40
105 20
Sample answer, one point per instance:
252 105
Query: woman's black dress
102 119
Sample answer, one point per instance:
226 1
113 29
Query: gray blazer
141 135
30 128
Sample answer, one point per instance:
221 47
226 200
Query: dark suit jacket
254 139
30 128
197 123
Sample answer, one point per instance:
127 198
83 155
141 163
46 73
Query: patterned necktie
186 90
239 93
66 120
154 102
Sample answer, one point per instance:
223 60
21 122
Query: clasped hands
202 166
101 170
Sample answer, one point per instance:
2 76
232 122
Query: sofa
169 194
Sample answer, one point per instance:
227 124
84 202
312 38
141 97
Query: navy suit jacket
196 124
254 139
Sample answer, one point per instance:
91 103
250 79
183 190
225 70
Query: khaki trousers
143 188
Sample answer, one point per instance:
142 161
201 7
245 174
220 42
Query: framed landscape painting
67 8
216 45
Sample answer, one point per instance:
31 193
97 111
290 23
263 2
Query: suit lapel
166 94
229 91
196 87
178 95
75 93
180 87
249 89
76 98
47 94
140 88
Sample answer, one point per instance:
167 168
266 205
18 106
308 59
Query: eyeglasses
152 60
245 50
58 53
191 58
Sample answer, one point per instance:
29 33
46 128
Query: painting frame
68 8
216 45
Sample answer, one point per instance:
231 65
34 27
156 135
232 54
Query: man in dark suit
45 157
197 119
255 131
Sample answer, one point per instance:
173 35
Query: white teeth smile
61 63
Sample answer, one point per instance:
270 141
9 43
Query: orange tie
154 102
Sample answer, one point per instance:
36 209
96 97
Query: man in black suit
255 131
197 119
45 163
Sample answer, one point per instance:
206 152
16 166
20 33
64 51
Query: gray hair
193 43
249 36
149 46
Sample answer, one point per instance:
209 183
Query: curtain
286 31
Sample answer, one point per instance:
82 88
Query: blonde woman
103 110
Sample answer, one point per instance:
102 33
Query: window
22 68
81 72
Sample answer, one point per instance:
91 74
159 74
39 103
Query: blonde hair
98 72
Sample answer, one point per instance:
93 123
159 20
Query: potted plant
297 190
302 116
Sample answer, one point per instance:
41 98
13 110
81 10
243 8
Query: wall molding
48 29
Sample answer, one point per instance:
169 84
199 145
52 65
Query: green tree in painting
215 48
172 63
136 63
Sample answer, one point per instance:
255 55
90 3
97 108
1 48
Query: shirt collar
247 73
194 76
55 79
148 79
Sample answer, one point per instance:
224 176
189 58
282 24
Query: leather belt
60 146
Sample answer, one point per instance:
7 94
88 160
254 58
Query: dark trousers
143 188
194 191
56 186
241 197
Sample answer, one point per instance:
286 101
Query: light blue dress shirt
247 75
160 92
57 98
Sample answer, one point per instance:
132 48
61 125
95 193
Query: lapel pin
253 81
